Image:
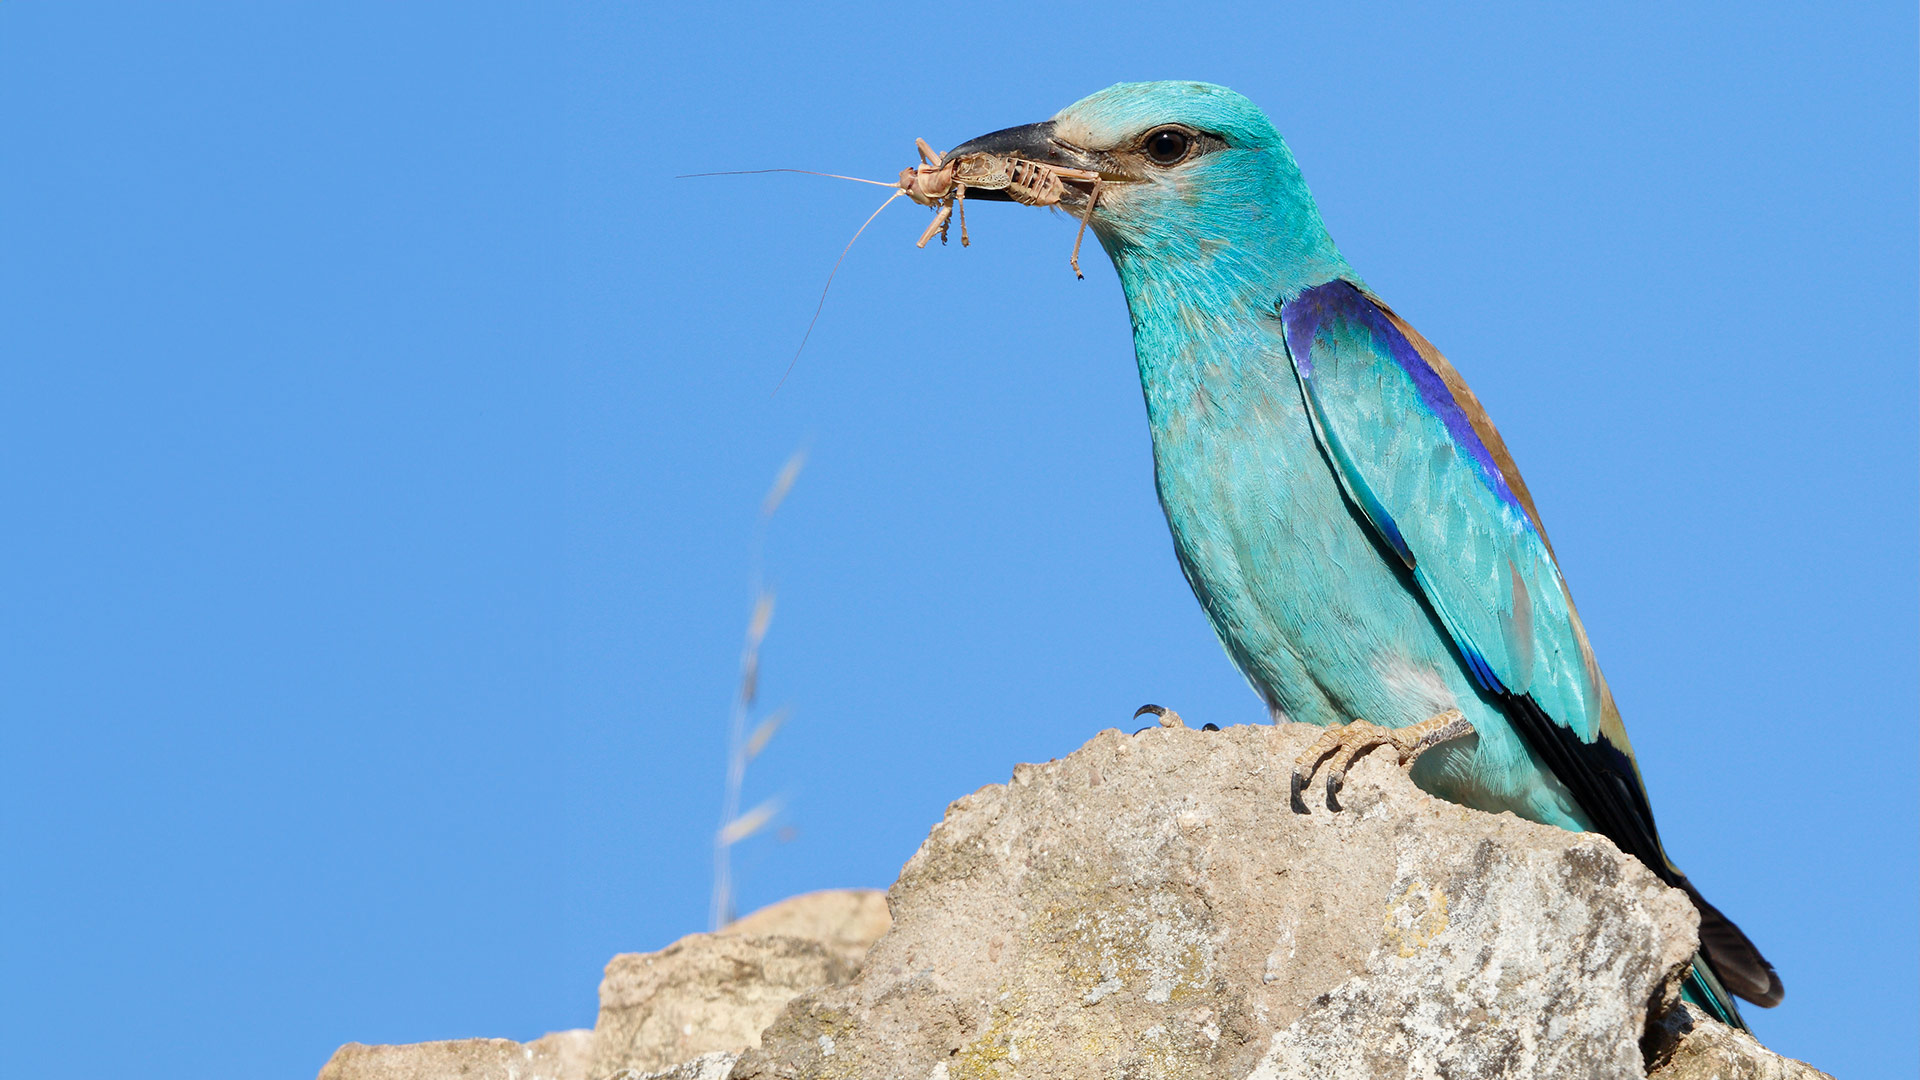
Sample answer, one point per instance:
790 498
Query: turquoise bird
1340 503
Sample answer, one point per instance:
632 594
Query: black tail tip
1735 959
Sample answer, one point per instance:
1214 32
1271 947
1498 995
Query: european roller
1340 503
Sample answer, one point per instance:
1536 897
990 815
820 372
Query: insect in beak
1026 165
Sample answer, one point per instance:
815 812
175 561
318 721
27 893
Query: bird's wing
1411 456
1418 457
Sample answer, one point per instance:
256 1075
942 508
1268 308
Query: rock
683 1013
1693 1046
703 993
716 992
714 1066
846 921
1149 906
560 1056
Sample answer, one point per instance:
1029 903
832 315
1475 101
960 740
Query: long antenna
808 172
823 289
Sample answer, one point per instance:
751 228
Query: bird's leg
1345 742
1167 717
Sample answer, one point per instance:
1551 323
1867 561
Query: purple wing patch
1342 302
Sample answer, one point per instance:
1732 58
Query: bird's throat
1210 346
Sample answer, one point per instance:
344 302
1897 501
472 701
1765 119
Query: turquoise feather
1346 514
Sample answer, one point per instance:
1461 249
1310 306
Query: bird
1345 512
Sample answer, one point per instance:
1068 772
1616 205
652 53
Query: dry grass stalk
742 746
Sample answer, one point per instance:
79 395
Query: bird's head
1191 175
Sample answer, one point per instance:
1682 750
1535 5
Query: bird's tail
1735 964
1701 987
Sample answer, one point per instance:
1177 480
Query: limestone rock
1150 906
846 921
560 1056
683 1013
711 993
714 1066
1697 1047
703 993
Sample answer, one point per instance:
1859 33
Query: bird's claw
1167 718
1346 742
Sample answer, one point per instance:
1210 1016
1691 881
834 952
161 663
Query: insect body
942 183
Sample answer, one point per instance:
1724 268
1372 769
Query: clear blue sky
383 429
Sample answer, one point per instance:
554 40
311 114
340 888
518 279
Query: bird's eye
1168 146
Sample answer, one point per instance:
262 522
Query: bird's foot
1345 742
1167 718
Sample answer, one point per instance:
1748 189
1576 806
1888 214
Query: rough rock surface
699 1001
1150 906
714 1066
1693 1046
562 1055
846 921
703 993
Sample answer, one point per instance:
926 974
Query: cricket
941 183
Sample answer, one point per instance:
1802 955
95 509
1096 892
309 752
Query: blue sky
384 426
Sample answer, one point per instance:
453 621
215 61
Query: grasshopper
942 183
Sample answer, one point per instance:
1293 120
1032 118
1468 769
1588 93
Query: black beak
1033 142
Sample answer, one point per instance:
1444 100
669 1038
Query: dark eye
1167 146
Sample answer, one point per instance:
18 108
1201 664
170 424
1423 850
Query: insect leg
939 224
1092 198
